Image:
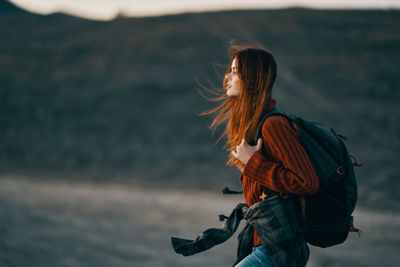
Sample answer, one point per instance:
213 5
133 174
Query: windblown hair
257 73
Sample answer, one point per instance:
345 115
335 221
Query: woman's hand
244 151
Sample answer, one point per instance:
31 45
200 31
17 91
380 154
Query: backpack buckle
340 170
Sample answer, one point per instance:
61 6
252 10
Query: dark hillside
118 100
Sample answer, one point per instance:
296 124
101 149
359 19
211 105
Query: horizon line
148 12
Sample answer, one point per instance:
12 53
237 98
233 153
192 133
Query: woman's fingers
234 153
245 151
259 144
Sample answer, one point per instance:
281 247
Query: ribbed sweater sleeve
289 169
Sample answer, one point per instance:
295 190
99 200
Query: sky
109 9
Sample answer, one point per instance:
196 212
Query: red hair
257 73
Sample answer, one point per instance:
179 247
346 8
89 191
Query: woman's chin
230 93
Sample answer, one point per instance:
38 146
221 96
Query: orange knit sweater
282 165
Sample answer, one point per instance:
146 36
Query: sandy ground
46 223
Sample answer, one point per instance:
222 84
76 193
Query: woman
277 162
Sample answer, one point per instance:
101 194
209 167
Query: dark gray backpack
327 218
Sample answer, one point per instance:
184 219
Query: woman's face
233 82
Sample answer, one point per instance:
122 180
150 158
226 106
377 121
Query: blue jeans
258 258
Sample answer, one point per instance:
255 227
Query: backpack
326 216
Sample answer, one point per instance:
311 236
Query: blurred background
103 154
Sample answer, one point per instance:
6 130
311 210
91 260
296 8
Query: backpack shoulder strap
272 112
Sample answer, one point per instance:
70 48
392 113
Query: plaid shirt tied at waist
276 221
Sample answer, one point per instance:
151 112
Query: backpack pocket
329 234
